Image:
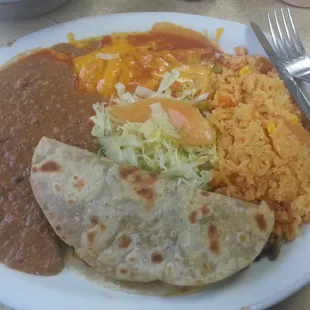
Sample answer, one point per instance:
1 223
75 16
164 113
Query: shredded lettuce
163 92
123 96
168 80
153 145
102 123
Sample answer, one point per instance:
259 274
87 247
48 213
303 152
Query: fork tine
285 25
276 43
278 26
281 43
291 49
274 38
295 33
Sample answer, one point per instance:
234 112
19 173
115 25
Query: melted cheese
144 58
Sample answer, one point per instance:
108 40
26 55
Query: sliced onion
177 119
143 92
168 79
107 56
121 89
157 108
202 97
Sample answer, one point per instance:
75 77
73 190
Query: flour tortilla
134 225
154 288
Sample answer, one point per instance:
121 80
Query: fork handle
299 96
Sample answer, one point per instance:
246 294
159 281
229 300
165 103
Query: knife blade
300 98
265 43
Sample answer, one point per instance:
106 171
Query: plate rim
282 293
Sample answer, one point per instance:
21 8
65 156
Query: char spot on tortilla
193 217
146 193
137 178
260 221
204 210
140 181
58 227
205 266
204 193
243 238
91 235
51 215
94 220
70 202
123 271
126 171
132 259
50 166
79 184
34 169
149 178
124 242
214 239
57 188
157 258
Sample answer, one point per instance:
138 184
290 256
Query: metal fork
288 45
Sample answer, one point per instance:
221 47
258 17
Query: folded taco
134 225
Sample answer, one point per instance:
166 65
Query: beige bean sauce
38 98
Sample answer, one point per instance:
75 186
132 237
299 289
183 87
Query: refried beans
37 98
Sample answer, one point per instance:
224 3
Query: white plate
262 285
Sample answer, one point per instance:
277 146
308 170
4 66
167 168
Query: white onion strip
143 92
107 56
201 97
